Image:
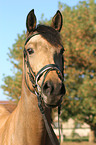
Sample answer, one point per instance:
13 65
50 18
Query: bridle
34 78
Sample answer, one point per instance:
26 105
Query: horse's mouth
53 105
52 101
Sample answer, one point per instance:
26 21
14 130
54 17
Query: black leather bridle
34 78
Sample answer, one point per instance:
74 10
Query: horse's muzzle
52 93
50 89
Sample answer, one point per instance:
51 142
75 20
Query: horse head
43 54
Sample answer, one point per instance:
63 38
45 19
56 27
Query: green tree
79 38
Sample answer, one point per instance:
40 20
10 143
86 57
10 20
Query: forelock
50 34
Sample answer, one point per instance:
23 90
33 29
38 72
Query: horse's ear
31 21
57 21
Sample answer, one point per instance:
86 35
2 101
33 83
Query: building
71 130
9 105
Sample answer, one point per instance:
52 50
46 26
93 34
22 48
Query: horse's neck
26 121
32 121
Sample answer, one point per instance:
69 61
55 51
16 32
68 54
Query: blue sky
13 21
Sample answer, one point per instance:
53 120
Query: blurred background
79 40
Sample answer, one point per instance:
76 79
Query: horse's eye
30 50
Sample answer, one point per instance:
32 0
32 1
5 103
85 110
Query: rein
34 78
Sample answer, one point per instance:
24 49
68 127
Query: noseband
34 78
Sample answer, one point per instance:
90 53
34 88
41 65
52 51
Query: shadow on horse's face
45 54
42 53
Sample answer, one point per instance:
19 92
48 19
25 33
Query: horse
42 86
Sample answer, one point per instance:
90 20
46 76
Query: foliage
79 38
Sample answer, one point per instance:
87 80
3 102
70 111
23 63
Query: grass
78 143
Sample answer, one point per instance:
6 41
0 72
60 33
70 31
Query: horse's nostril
48 88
